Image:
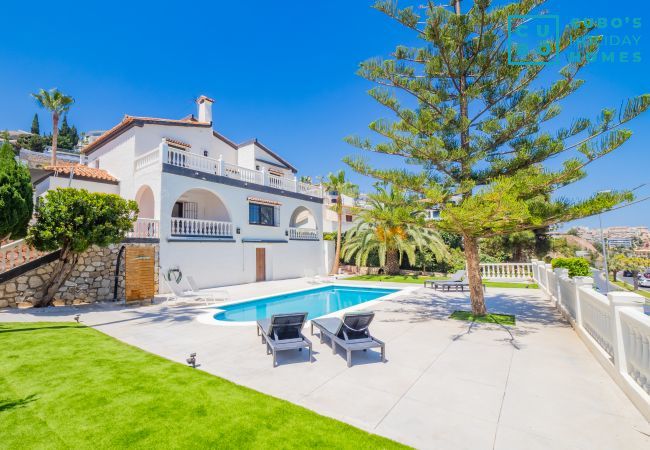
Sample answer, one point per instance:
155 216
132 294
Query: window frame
260 207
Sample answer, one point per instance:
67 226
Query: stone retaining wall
91 280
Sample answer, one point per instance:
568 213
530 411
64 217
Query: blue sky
283 72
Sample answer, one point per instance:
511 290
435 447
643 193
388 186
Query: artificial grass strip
503 319
63 385
393 278
508 285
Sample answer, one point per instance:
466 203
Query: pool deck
445 385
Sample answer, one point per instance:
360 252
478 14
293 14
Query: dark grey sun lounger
350 333
283 332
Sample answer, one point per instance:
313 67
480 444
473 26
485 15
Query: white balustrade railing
636 342
200 228
303 234
200 163
520 271
148 159
17 253
613 326
189 160
285 184
242 173
597 318
145 229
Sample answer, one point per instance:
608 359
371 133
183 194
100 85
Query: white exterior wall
213 263
64 182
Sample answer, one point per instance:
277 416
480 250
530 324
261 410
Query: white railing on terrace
148 159
189 160
521 271
613 326
200 228
303 234
145 229
17 253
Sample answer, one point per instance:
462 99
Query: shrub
578 267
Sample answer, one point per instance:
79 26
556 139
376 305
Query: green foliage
16 194
75 219
578 267
481 128
68 136
32 142
513 247
66 386
36 128
329 236
392 223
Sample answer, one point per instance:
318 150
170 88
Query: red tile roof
81 170
132 121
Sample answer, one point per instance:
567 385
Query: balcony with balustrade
200 215
166 155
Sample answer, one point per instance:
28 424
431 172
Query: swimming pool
315 302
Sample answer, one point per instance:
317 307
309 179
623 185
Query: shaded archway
200 204
146 203
303 218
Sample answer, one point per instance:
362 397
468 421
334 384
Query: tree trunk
60 274
614 275
55 136
474 276
337 255
392 262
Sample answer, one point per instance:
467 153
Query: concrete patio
445 384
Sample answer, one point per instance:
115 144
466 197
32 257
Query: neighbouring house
77 176
224 213
89 137
351 207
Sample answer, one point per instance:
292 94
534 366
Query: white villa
224 213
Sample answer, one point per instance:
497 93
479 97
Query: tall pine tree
36 129
478 126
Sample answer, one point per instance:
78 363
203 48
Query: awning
263 201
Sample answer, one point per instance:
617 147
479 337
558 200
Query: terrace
446 384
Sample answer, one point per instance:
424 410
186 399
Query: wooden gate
260 264
139 273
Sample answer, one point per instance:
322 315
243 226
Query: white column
617 301
295 184
164 148
220 165
579 282
265 176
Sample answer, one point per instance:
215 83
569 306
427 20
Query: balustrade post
295 184
559 273
164 152
578 282
618 301
265 176
220 165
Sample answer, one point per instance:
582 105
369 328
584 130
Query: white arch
208 204
302 217
146 202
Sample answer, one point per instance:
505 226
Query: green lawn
504 319
67 386
624 285
419 280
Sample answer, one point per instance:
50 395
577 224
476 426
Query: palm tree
392 225
57 103
336 182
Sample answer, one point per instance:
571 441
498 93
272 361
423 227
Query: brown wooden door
260 264
139 271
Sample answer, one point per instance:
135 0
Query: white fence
182 158
200 228
613 326
518 271
16 253
303 234
145 229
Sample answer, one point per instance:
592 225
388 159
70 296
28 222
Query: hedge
578 267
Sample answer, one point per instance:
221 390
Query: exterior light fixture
286 232
192 360
238 230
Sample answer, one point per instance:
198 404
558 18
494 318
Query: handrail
303 234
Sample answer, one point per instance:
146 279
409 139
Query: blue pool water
316 302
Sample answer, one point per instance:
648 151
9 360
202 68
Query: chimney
205 108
